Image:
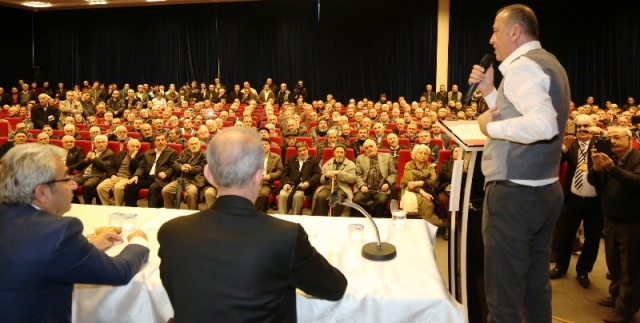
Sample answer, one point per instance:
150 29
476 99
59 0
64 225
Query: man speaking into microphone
521 162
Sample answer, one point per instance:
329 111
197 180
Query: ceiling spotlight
95 2
36 4
156 0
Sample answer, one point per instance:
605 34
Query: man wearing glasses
43 253
581 204
617 179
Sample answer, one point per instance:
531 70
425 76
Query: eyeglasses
583 125
617 138
72 184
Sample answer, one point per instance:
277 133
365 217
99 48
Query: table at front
408 288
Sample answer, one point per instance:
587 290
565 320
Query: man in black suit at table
249 265
44 253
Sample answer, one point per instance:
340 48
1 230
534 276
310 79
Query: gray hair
234 155
30 165
585 118
419 147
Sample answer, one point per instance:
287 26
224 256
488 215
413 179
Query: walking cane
333 183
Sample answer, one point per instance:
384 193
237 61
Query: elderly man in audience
203 135
272 172
146 134
124 165
376 173
154 172
20 137
300 177
50 252
43 138
158 128
93 169
330 141
190 165
45 113
617 179
338 173
69 107
70 130
74 158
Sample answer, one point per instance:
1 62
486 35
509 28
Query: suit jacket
387 168
197 162
43 255
116 107
285 96
75 159
164 164
248 97
274 167
430 96
5 99
41 117
310 173
617 187
100 164
117 162
264 97
234 95
247 269
345 179
571 157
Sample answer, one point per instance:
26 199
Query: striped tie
582 157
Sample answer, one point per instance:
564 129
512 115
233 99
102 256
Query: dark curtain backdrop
597 45
358 48
361 48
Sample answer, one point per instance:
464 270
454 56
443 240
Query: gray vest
505 160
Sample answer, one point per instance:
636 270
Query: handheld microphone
485 63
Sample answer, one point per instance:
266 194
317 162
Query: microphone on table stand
374 250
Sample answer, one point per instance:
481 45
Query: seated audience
338 173
125 163
190 165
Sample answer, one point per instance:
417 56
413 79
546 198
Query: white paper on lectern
456 185
467 130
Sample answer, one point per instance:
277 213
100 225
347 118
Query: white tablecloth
408 288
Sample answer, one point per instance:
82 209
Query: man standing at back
521 162
250 264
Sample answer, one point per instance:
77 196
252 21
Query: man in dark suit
94 168
45 113
250 264
376 172
284 95
617 183
190 165
581 204
75 154
300 178
154 172
5 98
118 174
272 173
44 253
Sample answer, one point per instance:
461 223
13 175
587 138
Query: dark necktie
582 157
